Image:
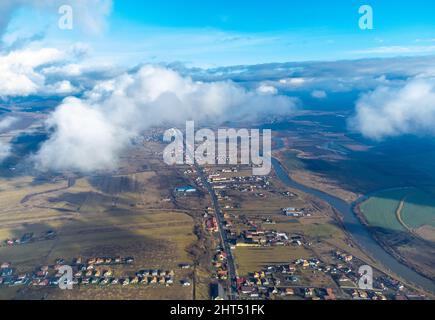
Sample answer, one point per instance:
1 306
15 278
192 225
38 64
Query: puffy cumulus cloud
390 111
90 133
83 139
47 71
18 76
330 76
319 94
293 81
267 89
89 15
61 88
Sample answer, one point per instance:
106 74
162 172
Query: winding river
358 231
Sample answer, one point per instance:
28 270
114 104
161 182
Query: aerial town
202 151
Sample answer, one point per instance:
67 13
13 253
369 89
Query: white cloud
267 89
7 122
5 148
89 134
18 76
61 88
46 71
394 111
319 94
293 81
397 50
83 139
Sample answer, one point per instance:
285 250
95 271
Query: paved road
223 234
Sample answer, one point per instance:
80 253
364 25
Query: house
129 260
50 234
5 265
293 279
135 280
212 225
185 283
42 274
169 280
330 294
26 238
247 290
292 212
308 292
289 292
363 294
44 283
185 189
143 273
223 274
240 281
6 272
107 273
221 256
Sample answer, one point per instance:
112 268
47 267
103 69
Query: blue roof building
185 189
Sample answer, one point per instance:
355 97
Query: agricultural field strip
407 214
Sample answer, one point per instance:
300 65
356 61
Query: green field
380 209
418 209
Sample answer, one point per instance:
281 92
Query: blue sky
256 31
221 33
263 16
